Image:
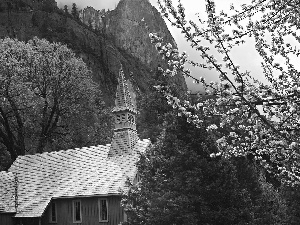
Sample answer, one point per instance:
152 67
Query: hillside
123 40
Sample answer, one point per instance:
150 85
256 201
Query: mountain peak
131 23
129 26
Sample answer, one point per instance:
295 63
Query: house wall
27 221
6 218
89 210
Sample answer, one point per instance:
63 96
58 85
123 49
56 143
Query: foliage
261 118
270 206
153 109
292 196
5 161
181 184
49 6
74 11
47 98
66 10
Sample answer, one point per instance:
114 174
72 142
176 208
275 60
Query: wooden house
77 186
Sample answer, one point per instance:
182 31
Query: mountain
129 26
116 37
93 17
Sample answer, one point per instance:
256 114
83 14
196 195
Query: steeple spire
125 98
125 135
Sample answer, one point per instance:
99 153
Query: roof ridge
64 150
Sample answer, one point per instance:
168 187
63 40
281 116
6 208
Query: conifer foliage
181 184
74 11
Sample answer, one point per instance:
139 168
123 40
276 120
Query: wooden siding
28 221
6 218
89 211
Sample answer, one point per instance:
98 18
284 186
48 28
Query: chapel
76 186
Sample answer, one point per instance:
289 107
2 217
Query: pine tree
74 11
181 183
66 10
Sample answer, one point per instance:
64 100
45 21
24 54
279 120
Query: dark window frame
101 219
53 209
75 207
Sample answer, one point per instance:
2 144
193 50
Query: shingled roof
7 190
69 173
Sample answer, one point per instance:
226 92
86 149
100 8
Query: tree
256 118
47 98
292 197
269 204
48 5
153 109
74 11
66 10
181 184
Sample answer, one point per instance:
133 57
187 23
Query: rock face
92 17
121 37
129 26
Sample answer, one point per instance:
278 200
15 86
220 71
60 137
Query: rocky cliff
93 17
129 26
122 37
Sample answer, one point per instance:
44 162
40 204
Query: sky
245 56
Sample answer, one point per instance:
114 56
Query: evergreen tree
269 204
153 109
181 184
74 11
292 196
66 10
48 5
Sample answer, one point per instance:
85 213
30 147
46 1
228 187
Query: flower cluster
184 108
251 115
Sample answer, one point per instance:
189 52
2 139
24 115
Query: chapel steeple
125 134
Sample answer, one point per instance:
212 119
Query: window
103 210
123 117
77 217
118 119
131 118
136 179
53 213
